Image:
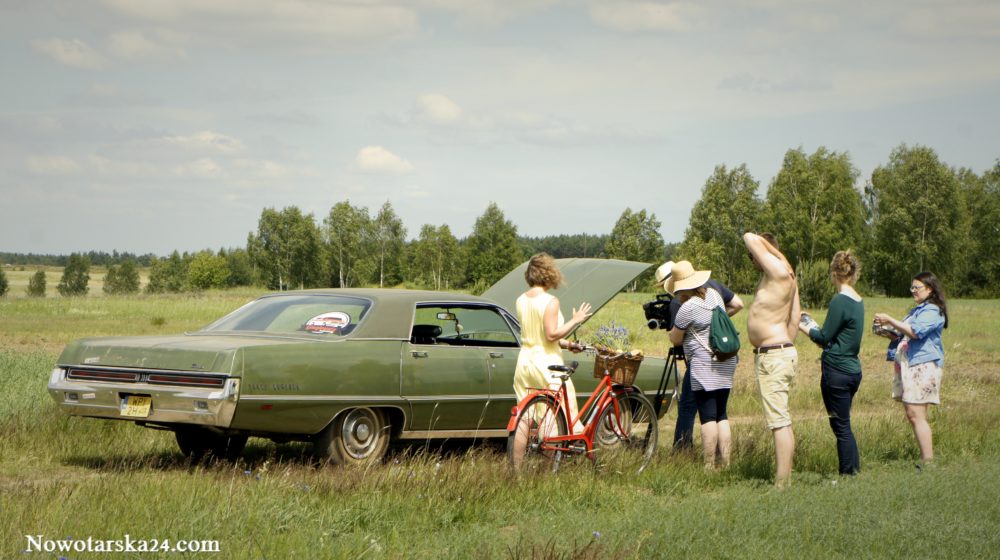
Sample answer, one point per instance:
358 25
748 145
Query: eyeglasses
917 288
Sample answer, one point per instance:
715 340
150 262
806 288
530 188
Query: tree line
914 213
350 248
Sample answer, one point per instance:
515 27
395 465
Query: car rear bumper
169 404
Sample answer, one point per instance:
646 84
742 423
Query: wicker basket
621 367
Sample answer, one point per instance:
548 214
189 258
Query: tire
626 441
538 416
198 443
358 436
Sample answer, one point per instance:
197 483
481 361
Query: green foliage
636 237
4 285
168 275
815 287
347 231
287 249
813 207
582 245
917 220
208 270
388 239
122 280
36 284
492 249
982 200
75 276
435 258
240 268
727 209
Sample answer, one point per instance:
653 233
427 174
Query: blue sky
170 124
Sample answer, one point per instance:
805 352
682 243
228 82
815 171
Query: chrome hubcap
360 435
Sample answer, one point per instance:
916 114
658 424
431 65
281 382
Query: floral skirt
919 384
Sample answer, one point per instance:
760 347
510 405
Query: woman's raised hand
580 315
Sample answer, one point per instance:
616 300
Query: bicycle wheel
538 419
626 441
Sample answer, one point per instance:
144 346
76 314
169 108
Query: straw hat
663 274
683 276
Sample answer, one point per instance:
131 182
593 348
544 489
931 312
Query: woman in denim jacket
919 356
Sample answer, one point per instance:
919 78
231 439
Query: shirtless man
772 326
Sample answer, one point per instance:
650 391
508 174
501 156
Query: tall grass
78 477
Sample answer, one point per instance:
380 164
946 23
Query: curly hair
542 272
845 267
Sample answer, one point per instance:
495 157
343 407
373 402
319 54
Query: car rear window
315 315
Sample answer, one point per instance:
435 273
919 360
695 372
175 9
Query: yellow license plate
137 407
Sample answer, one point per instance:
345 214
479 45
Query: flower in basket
613 338
615 356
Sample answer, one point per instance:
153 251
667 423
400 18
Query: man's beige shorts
775 371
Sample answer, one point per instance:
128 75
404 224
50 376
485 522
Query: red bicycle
619 427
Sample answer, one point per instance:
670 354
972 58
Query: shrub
123 279
36 284
4 286
815 287
75 276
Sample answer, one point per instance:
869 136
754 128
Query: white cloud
633 17
489 11
52 165
107 167
206 141
269 170
438 109
204 168
73 53
110 95
377 159
294 20
954 20
136 45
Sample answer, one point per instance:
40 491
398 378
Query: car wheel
198 443
356 436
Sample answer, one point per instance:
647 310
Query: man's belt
766 349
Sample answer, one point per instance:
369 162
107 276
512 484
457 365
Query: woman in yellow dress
543 330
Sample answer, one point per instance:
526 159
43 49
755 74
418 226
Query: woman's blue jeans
838 389
687 409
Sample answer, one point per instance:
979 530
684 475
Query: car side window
463 326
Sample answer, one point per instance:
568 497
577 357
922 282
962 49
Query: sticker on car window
328 323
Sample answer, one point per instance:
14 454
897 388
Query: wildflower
597 534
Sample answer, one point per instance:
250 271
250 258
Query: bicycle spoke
625 440
539 418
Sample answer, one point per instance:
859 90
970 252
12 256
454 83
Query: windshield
320 315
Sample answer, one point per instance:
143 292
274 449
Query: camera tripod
675 353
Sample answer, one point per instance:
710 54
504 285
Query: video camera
658 312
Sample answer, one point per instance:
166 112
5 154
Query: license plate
137 407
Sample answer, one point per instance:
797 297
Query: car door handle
496 354
418 354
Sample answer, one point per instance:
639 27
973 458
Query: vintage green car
347 369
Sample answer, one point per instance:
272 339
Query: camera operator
686 406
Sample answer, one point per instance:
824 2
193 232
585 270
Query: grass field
63 477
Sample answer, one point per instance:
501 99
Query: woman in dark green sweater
840 338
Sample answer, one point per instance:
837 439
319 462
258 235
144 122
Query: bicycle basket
621 367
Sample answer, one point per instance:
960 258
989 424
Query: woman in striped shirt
711 380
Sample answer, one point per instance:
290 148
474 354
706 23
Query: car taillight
191 380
